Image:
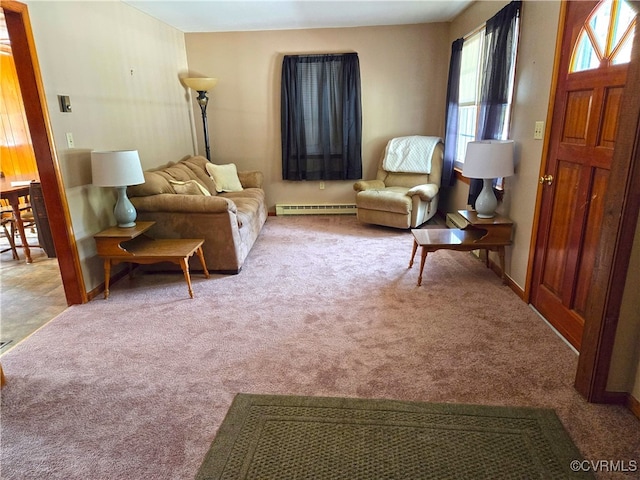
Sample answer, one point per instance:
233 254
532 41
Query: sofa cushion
154 184
159 180
225 177
248 204
393 199
198 166
251 178
190 187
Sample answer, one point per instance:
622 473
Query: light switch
70 143
538 133
65 103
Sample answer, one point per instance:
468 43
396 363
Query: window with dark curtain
501 43
451 119
321 117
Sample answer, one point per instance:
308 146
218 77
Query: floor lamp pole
203 100
202 85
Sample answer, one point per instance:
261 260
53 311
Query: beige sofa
229 222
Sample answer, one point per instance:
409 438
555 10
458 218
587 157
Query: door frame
622 206
30 80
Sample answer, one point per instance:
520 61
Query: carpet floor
136 386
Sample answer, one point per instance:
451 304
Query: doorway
32 293
35 109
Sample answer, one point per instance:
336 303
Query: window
482 74
469 91
606 37
321 119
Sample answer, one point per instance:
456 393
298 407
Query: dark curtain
321 117
499 57
451 120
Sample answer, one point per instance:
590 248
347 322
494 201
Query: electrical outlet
538 132
70 143
321 185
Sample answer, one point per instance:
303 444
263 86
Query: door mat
288 437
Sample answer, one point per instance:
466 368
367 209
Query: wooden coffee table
480 234
116 245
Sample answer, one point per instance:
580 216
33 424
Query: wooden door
581 145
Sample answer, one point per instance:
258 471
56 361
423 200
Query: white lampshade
489 159
200 84
116 168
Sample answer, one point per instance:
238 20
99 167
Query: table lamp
119 169
202 86
487 160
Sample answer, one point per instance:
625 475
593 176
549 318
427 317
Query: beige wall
120 69
624 375
403 74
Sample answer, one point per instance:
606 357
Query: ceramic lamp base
124 210
486 203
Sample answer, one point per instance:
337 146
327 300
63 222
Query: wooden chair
33 214
9 233
9 226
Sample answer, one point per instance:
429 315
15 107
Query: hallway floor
31 294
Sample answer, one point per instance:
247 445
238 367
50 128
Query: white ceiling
243 15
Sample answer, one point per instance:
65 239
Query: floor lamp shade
200 84
119 169
487 160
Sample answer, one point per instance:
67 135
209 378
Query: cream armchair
405 191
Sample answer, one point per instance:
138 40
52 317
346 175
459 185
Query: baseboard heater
321 209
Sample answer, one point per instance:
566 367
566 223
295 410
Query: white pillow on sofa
225 177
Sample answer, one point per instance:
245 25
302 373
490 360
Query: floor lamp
202 86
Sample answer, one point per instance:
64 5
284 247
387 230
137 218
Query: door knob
546 178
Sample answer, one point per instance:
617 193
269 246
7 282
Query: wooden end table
480 234
116 245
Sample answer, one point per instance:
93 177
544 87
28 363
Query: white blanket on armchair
410 154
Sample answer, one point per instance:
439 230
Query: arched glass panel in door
606 37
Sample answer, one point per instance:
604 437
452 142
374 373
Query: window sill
458 173
499 191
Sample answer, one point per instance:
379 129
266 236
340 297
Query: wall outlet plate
538 132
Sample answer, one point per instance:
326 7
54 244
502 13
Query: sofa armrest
171 202
368 185
426 192
251 178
